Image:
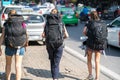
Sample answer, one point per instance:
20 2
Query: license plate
34 37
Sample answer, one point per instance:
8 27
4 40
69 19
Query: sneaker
90 77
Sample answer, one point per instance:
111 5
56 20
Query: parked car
35 25
5 10
114 32
32 5
41 10
50 6
69 16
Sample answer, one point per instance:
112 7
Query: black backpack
54 31
97 34
15 31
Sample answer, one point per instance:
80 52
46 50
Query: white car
41 9
5 10
114 32
35 24
50 6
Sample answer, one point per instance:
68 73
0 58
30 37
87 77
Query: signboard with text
6 2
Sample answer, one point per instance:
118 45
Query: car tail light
3 17
40 12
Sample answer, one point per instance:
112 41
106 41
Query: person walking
84 14
54 33
16 41
85 10
96 31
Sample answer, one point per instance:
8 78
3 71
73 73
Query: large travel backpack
15 32
54 31
97 34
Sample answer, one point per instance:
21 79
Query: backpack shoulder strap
60 26
6 27
46 29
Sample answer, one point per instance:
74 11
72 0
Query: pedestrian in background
84 14
15 38
96 31
55 35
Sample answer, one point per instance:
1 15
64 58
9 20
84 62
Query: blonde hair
53 10
94 15
11 13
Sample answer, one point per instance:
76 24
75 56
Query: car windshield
32 4
33 19
68 12
1 9
38 8
26 10
116 23
42 7
8 9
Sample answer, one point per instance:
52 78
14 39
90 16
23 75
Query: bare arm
66 35
27 42
2 39
85 30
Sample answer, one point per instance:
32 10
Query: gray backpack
15 31
97 34
54 31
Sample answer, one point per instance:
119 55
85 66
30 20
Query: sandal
90 77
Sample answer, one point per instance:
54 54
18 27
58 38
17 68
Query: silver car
5 10
114 32
35 25
42 10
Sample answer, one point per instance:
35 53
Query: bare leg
18 67
8 67
89 63
97 64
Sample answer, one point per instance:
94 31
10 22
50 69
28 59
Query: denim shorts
9 51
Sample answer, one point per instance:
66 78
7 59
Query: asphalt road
110 61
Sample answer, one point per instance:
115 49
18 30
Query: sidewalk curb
103 69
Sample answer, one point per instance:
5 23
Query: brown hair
94 15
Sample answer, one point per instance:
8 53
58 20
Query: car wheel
44 43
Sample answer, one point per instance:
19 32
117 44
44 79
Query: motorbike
84 17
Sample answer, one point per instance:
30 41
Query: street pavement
36 66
